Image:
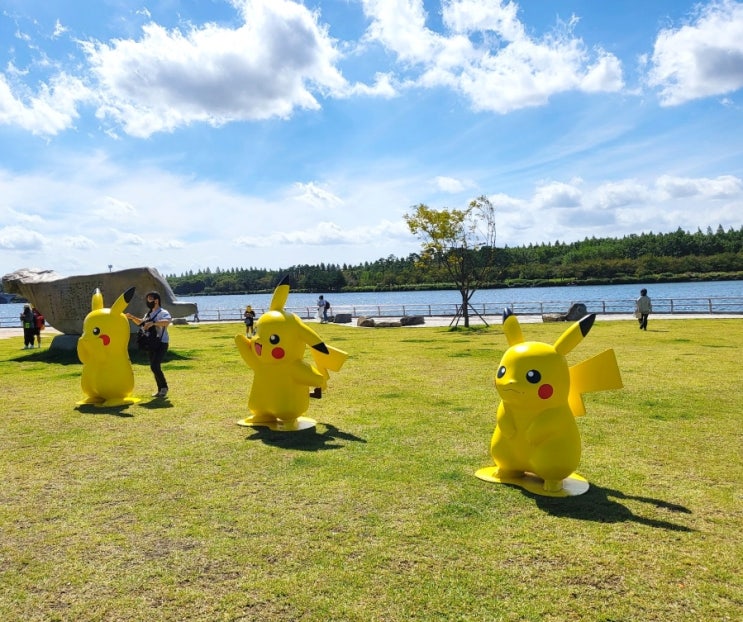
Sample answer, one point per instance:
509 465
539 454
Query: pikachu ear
307 334
512 328
574 335
122 301
97 300
280 295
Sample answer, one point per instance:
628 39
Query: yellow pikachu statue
107 379
280 392
536 443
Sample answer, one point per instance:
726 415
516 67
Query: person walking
321 313
39 324
643 308
249 319
159 319
27 323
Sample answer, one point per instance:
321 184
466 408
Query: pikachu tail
332 359
599 373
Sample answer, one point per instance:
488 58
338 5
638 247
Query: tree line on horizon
645 257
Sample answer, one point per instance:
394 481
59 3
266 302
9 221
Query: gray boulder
576 312
65 301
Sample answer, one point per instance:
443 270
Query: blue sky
198 134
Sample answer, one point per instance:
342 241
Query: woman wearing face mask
160 319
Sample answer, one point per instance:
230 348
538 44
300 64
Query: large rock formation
65 301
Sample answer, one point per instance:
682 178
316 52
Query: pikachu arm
302 373
505 422
246 351
599 373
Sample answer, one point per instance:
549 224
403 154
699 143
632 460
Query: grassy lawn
167 510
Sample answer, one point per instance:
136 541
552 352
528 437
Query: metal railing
711 306
727 306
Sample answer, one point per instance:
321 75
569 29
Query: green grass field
167 510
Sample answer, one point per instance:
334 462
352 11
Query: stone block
65 301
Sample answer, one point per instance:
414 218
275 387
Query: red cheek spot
277 353
546 391
105 339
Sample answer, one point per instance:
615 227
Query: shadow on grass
156 403
304 440
599 504
59 356
116 411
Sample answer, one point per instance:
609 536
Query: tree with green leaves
460 241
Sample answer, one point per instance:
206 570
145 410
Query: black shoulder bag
147 339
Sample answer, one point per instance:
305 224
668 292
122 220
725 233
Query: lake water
696 297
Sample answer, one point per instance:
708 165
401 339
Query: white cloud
721 187
619 194
115 210
79 242
702 58
449 184
59 30
317 196
266 68
130 239
502 68
48 112
558 194
328 233
20 239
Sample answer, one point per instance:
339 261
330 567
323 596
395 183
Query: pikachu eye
533 376
96 331
274 339
501 371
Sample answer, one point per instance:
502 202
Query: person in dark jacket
27 323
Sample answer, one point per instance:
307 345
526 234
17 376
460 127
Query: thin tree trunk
465 307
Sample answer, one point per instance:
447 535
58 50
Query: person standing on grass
39 324
160 319
643 308
249 319
27 322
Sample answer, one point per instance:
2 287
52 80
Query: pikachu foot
279 425
553 485
97 401
571 486
508 474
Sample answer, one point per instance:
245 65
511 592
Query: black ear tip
586 323
321 347
284 280
129 294
507 313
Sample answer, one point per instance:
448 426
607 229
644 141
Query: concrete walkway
445 321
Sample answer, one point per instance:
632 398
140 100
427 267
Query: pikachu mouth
511 390
258 348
